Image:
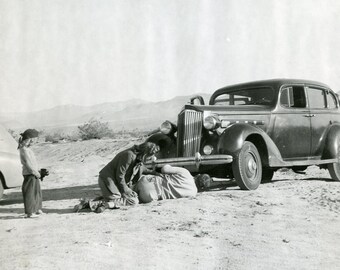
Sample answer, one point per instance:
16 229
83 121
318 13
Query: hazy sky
92 51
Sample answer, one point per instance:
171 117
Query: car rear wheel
247 167
1 189
334 170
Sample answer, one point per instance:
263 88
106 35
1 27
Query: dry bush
94 129
124 134
73 137
54 137
60 135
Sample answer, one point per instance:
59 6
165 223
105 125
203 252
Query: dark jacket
120 168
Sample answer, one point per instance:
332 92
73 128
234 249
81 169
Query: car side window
331 101
249 96
293 97
231 99
316 98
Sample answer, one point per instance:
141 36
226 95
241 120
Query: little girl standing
31 190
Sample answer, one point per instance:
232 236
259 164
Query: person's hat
203 181
29 133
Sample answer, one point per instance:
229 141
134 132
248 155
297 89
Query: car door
291 130
323 112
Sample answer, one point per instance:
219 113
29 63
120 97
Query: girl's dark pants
32 194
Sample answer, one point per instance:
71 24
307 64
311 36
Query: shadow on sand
56 194
303 179
18 213
218 186
67 193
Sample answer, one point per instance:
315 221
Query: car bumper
195 161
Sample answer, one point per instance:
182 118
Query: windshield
249 96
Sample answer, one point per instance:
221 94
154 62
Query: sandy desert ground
290 223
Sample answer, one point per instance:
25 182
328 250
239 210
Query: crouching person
172 183
116 177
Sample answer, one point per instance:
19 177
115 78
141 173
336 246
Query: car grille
189 133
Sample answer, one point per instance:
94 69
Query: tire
1 189
334 170
247 167
267 175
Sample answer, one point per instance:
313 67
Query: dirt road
291 223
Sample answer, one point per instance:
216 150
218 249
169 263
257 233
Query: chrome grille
189 133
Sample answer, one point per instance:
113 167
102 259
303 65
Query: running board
286 163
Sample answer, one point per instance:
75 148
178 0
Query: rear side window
331 101
316 98
293 97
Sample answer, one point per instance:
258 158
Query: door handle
309 115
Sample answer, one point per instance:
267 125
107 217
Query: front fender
332 143
233 138
166 143
11 169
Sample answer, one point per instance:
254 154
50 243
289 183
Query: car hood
229 109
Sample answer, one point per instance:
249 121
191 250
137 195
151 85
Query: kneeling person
172 183
117 176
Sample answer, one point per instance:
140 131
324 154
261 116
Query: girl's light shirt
28 161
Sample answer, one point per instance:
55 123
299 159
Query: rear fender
10 170
233 138
332 143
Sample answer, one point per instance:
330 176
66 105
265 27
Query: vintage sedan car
249 130
10 166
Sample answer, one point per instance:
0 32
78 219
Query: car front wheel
334 170
247 167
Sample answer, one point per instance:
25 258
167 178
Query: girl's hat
29 133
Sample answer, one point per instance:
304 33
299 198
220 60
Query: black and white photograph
169 134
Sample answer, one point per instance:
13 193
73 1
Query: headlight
208 149
211 122
166 127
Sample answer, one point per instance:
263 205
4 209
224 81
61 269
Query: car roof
275 83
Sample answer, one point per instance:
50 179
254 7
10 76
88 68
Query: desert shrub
94 129
137 133
73 137
54 137
58 136
125 134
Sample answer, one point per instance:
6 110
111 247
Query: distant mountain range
126 115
